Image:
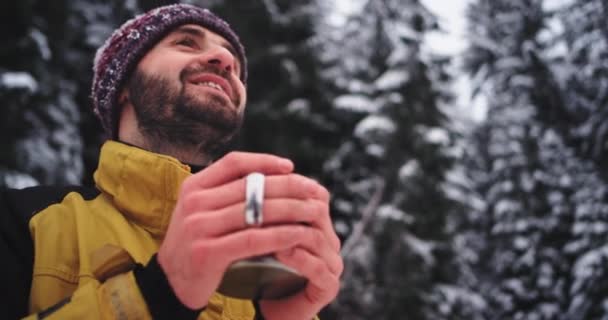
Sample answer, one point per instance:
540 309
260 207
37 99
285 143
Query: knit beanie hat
119 56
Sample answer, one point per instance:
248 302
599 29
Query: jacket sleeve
116 298
142 293
17 207
124 295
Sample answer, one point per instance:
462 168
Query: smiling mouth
211 85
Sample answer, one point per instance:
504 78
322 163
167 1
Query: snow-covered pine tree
587 289
582 47
388 173
580 53
41 141
522 166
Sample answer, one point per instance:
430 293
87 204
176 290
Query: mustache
210 68
196 69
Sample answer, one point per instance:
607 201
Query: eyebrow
200 33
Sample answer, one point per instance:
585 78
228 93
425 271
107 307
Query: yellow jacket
138 190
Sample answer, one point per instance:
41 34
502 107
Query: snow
453 294
375 150
393 213
505 206
392 79
521 243
343 206
363 186
405 32
342 10
588 266
356 103
42 43
299 106
374 123
292 71
424 249
522 81
552 5
437 135
19 180
341 227
555 197
451 19
359 86
409 169
18 80
509 63
549 35
398 55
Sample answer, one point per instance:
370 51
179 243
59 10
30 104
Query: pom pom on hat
119 56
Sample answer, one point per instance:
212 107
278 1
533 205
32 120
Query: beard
174 119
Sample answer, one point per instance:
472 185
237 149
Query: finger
323 284
235 165
275 186
248 243
231 219
322 287
318 246
276 211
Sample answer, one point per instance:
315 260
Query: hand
207 231
318 259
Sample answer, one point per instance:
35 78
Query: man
153 240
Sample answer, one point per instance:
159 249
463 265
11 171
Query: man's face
186 91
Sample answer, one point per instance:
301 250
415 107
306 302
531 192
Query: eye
186 42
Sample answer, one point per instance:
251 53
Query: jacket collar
143 185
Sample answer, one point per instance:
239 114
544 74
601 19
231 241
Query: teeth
210 84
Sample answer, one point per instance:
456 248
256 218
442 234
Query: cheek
157 65
243 95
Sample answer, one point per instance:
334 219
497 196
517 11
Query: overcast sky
452 41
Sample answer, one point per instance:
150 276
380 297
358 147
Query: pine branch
368 213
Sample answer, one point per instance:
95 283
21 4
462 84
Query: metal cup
262 277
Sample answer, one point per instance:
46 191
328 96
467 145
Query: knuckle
338 242
325 194
318 239
291 183
340 265
197 253
189 202
193 227
318 267
232 159
323 207
187 186
316 210
250 240
335 289
283 236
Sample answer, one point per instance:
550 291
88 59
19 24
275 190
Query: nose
221 58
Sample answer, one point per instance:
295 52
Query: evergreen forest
441 215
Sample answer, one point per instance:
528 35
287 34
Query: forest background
443 215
